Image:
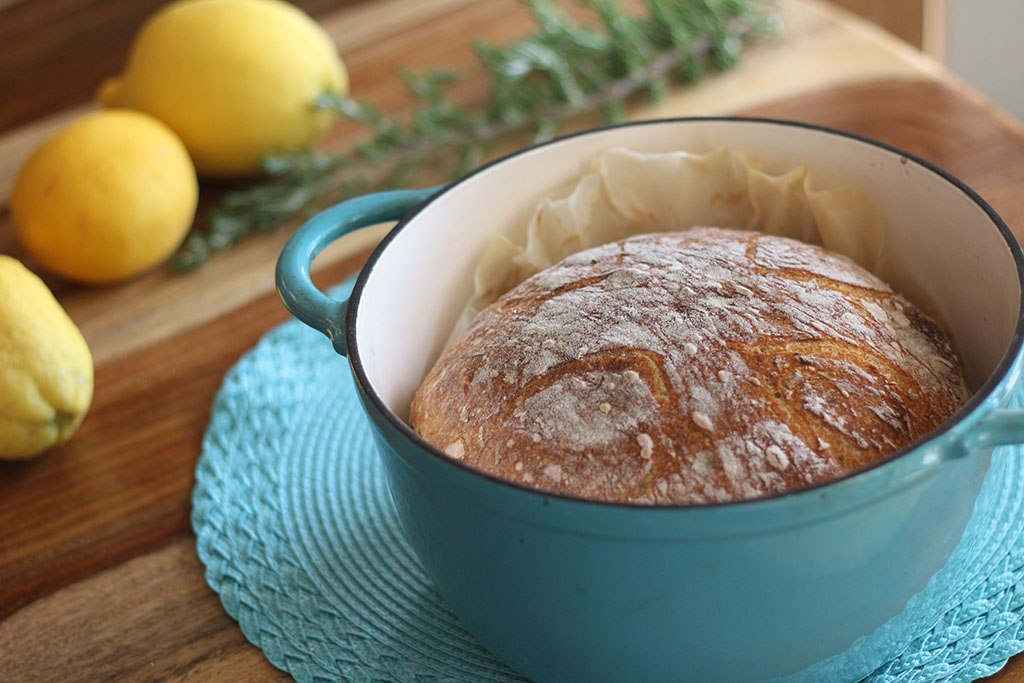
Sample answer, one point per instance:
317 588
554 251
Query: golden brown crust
691 367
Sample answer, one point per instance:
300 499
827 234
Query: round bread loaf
702 366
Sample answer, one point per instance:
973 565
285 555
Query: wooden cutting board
99 577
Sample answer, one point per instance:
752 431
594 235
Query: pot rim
961 416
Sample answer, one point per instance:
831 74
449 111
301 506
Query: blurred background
977 40
980 41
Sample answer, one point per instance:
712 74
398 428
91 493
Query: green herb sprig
563 71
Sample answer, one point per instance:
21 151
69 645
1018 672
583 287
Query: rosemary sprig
563 71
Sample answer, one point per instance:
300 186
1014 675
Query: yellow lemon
105 199
235 79
46 374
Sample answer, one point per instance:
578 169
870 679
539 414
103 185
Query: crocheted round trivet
296 529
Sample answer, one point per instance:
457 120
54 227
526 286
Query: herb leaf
562 71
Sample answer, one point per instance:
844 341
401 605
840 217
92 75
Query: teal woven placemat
297 532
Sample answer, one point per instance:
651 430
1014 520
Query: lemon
46 374
236 79
106 198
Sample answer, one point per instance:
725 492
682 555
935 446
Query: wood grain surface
50 68
99 578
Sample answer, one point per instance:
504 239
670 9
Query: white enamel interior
941 239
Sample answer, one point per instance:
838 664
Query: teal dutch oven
566 589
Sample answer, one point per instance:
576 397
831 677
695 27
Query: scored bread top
701 366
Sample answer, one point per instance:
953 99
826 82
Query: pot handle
1000 427
299 294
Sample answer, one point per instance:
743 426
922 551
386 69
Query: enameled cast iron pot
564 589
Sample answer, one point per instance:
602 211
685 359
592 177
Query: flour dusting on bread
699 366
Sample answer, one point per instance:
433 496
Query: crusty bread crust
701 366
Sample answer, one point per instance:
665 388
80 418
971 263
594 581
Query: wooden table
99 577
